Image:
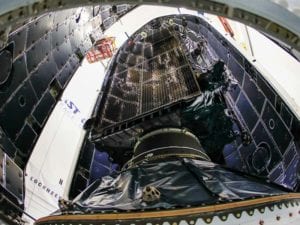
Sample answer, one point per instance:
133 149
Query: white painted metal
50 168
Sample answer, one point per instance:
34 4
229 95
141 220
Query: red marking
103 49
226 25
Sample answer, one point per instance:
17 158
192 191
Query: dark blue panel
6 61
194 27
260 159
203 30
115 167
39 45
276 127
251 70
18 74
38 28
234 92
234 161
236 69
87 155
14 113
289 155
229 149
102 158
255 96
277 173
220 49
8 147
290 176
266 89
67 71
234 53
64 75
42 77
80 182
260 135
43 108
62 53
19 39
98 171
38 53
25 140
101 166
278 104
296 130
286 115
59 34
246 152
237 131
247 111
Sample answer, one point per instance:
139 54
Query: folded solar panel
149 74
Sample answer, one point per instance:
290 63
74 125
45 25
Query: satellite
187 129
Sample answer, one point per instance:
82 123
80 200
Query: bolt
261 222
278 218
290 214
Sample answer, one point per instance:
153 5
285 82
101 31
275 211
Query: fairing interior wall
41 56
55 50
273 127
45 53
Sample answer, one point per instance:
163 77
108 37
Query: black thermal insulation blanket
180 182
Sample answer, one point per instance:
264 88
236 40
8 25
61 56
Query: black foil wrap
181 183
206 116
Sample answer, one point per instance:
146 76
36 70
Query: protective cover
180 183
207 116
